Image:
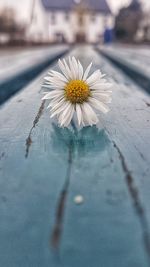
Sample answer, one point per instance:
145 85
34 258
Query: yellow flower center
77 91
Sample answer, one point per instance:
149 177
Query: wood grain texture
15 61
133 61
136 56
40 223
19 75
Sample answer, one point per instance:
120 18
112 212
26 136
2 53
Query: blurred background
112 226
45 22
34 32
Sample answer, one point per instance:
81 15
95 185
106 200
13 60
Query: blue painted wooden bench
134 61
25 66
43 168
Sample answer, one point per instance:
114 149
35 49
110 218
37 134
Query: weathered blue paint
132 62
20 79
40 223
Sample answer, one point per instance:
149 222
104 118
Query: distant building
128 21
10 29
71 21
143 33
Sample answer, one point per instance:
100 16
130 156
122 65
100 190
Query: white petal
106 98
86 73
47 86
98 105
53 94
46 82
47 78
76 68
58 103
64 68
79 113
58 85
67 69
62 106
57 81
73 72
101 80
94 77
57 74
101 86
55 100
80 71
63 114
89 114
66 117
99 92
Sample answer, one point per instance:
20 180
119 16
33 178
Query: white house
70 20
143 33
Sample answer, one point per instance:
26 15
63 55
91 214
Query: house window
66 16
59 37
53 18
93 18
105 20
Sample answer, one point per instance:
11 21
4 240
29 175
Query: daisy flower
76 95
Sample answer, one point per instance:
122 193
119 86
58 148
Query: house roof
95 5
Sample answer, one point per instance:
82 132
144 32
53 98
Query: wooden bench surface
18 61
24 67
133 62
43 167
137 57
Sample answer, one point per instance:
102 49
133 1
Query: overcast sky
24 6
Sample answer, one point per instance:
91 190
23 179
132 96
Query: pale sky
24 6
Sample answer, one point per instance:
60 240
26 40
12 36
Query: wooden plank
104 230
29 187
131 128
20 75
43 168
16 61
137 57
134 62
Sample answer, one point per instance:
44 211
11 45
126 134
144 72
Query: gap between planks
138 207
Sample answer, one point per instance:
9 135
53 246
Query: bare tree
8 24
128 21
